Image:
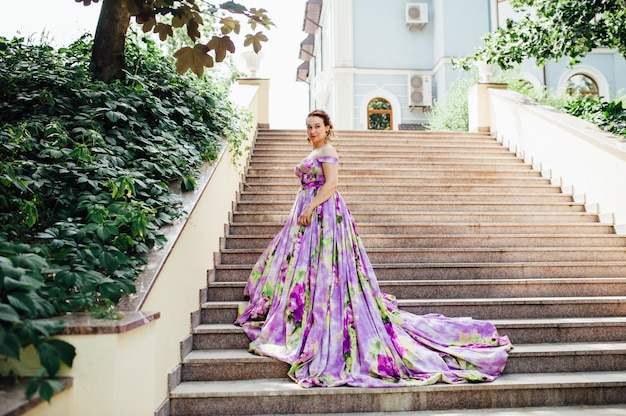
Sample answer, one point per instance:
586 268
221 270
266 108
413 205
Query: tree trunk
107 56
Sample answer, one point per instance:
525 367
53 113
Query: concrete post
478 106
263 97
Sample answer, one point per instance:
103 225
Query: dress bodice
310 171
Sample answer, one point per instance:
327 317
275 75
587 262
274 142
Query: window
379 115
581 84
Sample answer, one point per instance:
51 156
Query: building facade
374 64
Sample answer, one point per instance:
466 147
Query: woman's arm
331 175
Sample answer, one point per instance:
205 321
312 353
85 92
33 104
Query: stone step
421 206
251 228
239 364
537 307
405 188
350 146
531 178
270 152
358 141
282 396
394 161
462 255
373 138
459 271
450 217
218 332
473 289
356 145
449 171
518 308
352 196
455 240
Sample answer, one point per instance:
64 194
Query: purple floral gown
315 303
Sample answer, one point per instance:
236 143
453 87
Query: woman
315 303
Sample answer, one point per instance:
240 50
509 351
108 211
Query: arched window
379 115
581 84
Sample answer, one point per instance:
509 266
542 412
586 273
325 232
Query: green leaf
10 346
22 301
46 390
25 283
8 314
32 387
30 261
115 116
65 351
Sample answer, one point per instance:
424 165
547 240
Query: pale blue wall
460 25
382 39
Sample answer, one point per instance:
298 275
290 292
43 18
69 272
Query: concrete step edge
458 282
457 250
552 349
501 324
285 387
464 265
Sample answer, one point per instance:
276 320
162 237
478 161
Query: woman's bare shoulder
329 150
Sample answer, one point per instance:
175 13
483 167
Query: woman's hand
305 216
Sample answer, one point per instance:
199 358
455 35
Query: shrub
451 114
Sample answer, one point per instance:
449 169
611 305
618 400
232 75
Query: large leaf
23 301
255 40
221 45
30 261
8 314
53 352
10 345
163 30
194 59
230 25
24 283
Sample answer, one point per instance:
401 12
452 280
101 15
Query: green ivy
610 116
86 172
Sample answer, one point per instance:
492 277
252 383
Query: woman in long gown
314 301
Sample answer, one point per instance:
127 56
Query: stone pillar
479 112
263 99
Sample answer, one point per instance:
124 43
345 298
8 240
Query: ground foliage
86 170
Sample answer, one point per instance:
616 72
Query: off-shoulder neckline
334 158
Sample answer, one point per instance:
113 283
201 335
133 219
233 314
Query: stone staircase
454 224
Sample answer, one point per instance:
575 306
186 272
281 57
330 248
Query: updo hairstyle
327 122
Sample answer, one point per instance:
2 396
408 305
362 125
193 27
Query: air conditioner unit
416 14
420 90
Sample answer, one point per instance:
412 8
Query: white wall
576 153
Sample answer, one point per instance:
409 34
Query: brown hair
326 119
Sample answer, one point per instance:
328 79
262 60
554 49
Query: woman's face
315 129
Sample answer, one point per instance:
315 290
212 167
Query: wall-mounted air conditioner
416 14
420 90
